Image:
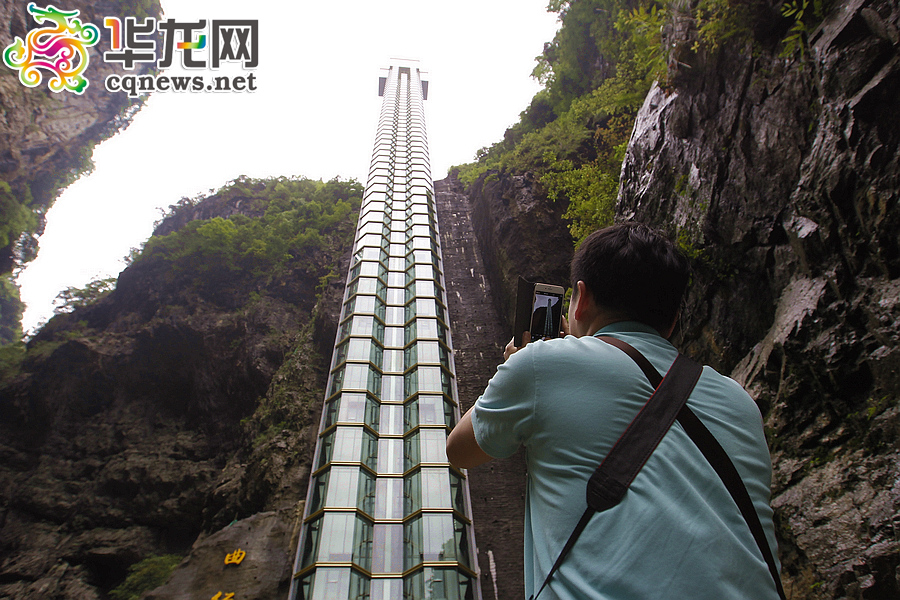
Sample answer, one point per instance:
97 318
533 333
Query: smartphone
546 311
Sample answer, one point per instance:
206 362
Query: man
677 534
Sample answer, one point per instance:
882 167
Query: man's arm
463 450
462 447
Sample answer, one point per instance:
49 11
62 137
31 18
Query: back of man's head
633 269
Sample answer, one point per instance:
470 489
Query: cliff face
46 138
169 418
782 178
177 417
520 234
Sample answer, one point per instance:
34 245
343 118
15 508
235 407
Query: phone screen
546 312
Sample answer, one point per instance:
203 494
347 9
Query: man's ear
582 299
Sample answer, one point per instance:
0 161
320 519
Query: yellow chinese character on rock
228 596
234 558
219 596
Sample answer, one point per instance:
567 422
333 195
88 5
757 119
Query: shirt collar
627 327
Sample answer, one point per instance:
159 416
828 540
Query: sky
313 114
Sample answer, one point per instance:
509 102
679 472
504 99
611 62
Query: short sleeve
503 416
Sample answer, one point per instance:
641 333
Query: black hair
633 269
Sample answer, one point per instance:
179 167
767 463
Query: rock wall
781 177
162 421
520 233
46 138
479 336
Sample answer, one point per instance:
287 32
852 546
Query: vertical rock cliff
46 139
177 415
781 177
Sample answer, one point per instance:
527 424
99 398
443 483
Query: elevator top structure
386 515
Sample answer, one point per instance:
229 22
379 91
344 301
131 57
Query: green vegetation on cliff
281 223
281 238
596 73
146 575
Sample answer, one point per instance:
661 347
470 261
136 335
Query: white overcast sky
314 114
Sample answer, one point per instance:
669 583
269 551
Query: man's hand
511 346
526 337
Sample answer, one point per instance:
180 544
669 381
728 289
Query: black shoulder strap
610 481
717 457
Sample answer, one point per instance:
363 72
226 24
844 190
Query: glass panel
393 337
428 328
431 410
433 583
356 376
364 305
353 408
389 498
358 349
326 583
411 383
435 488
396 296
434 445
388 548
364 285
425 272
411 355
370 239
393 361
395 315
331 412
344 538
362 325
342 487
311 542
365 499
429 352
370 268
433 537
425 289
458 492
391 419
392 388
412 330
359 587
430 379
386 589
317 498
347 444
412 492
390 456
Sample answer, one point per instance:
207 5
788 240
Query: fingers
511 346
564 326
510 349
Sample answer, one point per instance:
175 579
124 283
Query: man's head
634 271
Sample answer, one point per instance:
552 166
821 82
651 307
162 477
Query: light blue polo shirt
677 534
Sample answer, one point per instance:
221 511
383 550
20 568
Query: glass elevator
386 516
